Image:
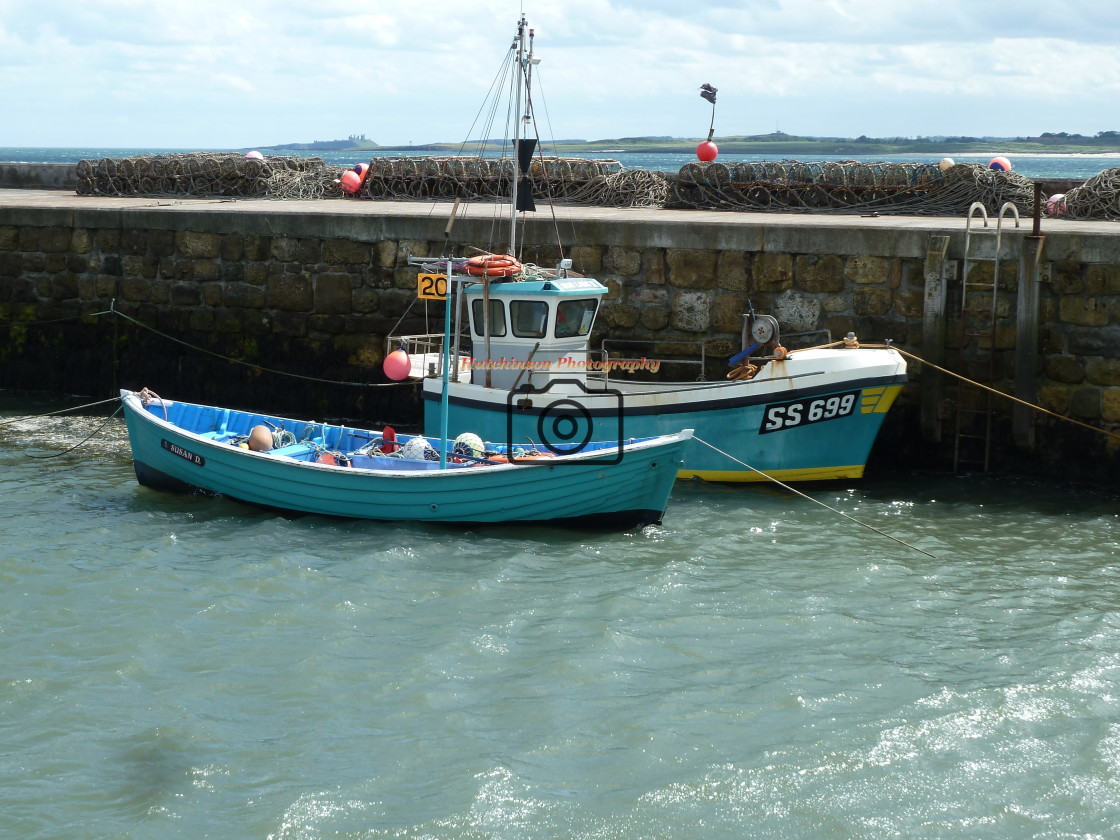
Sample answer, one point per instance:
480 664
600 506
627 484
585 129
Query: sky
237 74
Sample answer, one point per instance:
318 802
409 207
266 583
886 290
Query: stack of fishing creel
1097 198
848 187
601 183
203 174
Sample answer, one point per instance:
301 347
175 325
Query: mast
519 71
522 147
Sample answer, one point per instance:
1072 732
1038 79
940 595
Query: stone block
1066 278
206 271
733 271
1102 279
1085 404
818 274
587 260
133 265
620 315
346 252
727 312
81 241
772 272
11 264
654 270
243 296
386 254
291 293
283 249
366 300
134 289
1085 312
1110 405
691 268
1055 398
257 248
624 261
1100 371
333 294
162 243
211 294
9 238
1069 369
64 286
232 248
796 312
871 302
867 270
692 312
654 318
185 294
195 245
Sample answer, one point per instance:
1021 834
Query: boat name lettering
788 415
175 449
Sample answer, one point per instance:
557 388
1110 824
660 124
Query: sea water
1035 166
176 666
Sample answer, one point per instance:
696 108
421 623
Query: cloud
203 73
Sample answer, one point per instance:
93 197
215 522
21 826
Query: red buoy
707 151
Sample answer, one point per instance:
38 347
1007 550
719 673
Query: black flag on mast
525 149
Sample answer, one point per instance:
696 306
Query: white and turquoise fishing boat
799 415
529 372
335 470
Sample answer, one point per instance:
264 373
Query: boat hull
619 485
813 417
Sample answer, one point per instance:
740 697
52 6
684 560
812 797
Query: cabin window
529 318
497 318
574 317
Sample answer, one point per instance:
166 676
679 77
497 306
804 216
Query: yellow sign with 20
431 286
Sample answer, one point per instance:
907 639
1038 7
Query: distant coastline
1107 142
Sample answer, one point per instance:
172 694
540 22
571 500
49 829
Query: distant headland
777 142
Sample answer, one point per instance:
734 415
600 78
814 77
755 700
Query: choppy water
175 666
1038 166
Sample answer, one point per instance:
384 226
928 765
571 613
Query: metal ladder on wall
972 440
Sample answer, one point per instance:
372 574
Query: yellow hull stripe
811 474
878 400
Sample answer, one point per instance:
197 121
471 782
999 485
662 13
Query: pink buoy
397 365
707 151
1056 204
254 155
1000 164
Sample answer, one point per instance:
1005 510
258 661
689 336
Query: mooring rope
112 310
995 391
11 420
811 499
80 443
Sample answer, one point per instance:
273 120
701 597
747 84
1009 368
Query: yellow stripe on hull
878 400
785 476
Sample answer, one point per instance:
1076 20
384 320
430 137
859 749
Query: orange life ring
493 265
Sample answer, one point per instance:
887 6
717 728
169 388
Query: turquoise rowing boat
335 470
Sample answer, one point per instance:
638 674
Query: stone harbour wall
95 296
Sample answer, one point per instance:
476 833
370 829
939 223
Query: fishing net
206 174
1097 198
848 187
777 186
600 183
